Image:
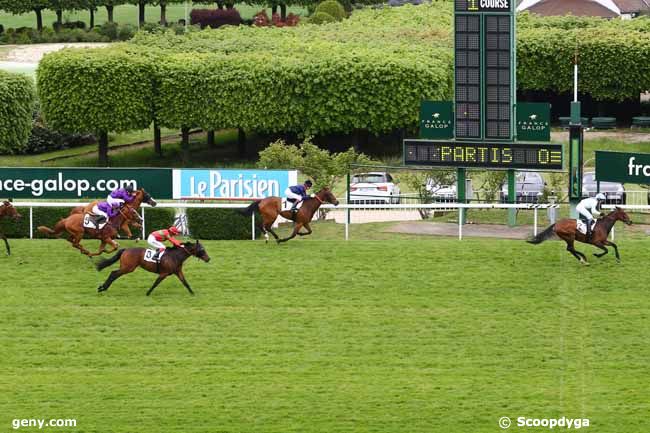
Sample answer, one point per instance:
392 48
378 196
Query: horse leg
181 277
308 230
158 281
99 252
602 247
577 254
613 245
114 244
296 229
4 238
112 277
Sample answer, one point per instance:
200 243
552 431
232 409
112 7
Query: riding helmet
600 196
174 230
129 188
308 183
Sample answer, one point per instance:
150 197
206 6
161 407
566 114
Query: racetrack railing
461 208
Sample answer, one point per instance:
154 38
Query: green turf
410 336
125 14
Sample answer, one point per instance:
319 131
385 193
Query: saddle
150 254
287 205
90 222
581 226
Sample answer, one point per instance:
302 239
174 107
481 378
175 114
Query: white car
447 193
373 188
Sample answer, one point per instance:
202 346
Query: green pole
512 198
460 187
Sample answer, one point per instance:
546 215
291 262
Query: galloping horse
566 229
171 263
271 207
74 225
8 211
141 196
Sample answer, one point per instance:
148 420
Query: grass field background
401 335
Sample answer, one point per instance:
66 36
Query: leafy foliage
215 18
223 224
18 96
323 167
321 18
333 8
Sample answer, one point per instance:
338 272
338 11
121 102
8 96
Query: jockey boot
294 209
99 220
588 231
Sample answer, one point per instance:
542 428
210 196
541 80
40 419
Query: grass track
448 338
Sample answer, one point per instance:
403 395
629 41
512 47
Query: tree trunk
283 12
157 143
39 19
163 13
92 17
103 149
274 9
59 16
141 17
220 4
185 144
241 142
211 144
109 11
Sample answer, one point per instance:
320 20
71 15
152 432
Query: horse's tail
107 262
541 237
58 228
255 206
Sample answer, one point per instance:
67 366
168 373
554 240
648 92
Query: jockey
121 196
157 238
105 211
297 193
589 209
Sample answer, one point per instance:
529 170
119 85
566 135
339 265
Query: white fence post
31 222
460 224
253 225
613 233
535 222
144 229
347 224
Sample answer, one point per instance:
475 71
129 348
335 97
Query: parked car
374 188
529 187
614 191
448 193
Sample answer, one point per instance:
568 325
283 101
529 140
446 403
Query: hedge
88 90
321 18
157 219
333 8
43 216
18 98
221 224
215 18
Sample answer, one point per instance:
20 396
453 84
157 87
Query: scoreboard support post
462 193
512 198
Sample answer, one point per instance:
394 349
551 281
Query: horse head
197 250
325 195
144 197
9 211
620 214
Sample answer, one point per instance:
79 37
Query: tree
426 182
110 6
163 9
141 8
65 5
25 6
323 167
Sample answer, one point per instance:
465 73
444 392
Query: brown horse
8 211
74 226
270 207
566 229
141 196
171 263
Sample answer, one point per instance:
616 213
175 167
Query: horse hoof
585 263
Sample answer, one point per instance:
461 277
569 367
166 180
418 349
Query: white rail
461 207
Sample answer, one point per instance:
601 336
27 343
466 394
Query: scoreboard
449 153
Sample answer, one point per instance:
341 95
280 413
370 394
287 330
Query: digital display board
449 153
498 77
483 5
468 76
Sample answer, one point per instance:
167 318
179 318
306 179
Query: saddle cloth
581 226
150 253
287 205
90 222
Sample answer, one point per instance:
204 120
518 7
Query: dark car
614 191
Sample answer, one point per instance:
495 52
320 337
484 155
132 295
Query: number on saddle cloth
581 225
150 254
90 222
287 205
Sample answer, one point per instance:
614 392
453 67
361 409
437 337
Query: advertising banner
231 184
622 167
81 183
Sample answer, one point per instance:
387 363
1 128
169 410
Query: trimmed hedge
43 216
18 98
333 8
220 224
110 89
321 18
157 219
215 18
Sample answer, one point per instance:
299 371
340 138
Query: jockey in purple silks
121 196
105 211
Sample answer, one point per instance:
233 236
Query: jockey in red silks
157 238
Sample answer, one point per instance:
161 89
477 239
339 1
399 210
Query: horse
566 229
270 207
8 211
141 196
171 263
73 224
